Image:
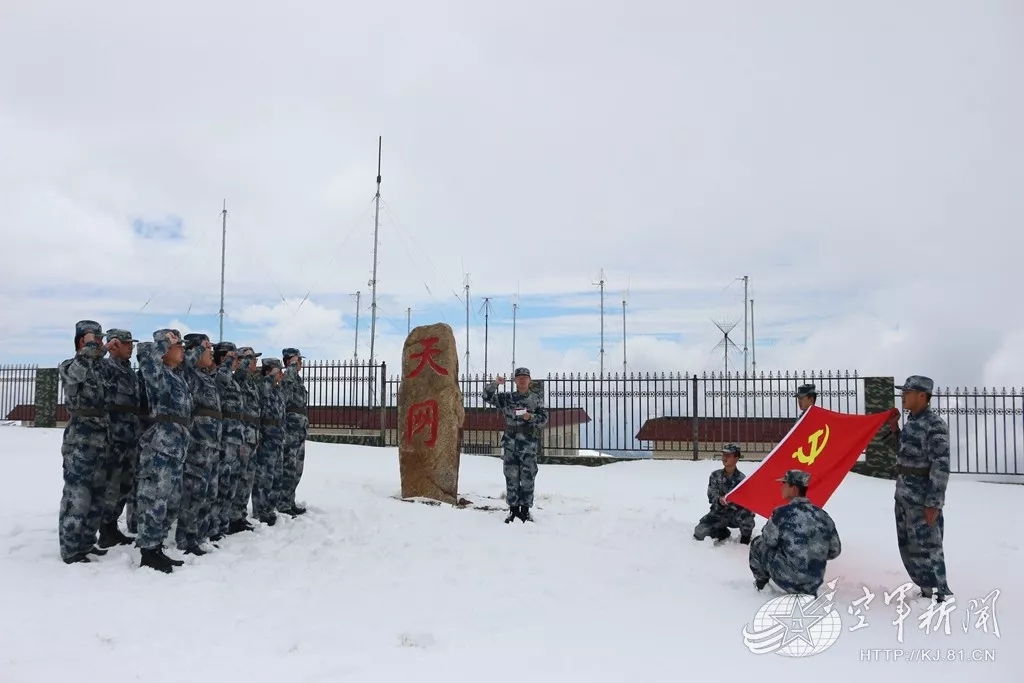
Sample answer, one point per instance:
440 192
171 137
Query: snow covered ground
608 585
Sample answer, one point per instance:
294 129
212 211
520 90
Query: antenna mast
515 311
600 393
223 252
487 311
725 328
623 336
746 282
376 243
467 327
355 354
753 354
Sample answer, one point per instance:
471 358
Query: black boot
195 550
80 557
513 512
96 551
745 539
174 563
524 514
759 584
155 559
269 520
111 536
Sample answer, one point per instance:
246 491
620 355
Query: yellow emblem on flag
816 444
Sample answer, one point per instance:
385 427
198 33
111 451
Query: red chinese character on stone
422 416
426 357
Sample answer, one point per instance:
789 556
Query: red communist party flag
823 443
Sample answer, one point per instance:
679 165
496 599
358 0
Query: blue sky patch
166 228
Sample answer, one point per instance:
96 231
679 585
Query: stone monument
430 415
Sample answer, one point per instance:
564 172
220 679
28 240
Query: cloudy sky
859 161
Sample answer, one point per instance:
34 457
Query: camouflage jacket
85 388
924 446
510 403
800 538
272 408
166 391
720 483
232 402
296 400
252 398
206 412
123 400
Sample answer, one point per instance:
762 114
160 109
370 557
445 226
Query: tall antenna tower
223 253
487 313
746 307
625 295
726 343
376 244
358 296
515 311
600 393
466 287
753 353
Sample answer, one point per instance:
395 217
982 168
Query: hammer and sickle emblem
816 443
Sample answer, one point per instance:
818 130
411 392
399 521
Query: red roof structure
716 429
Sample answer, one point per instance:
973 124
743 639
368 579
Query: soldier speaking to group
174 443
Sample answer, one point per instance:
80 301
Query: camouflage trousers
267 475
122 460
227 468
722 518
293 459
765 565
85 486
194 506
162 451
520 466
921 547
208 509
245 475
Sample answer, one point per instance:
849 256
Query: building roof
363 418
715 429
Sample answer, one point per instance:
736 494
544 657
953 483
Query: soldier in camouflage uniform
199 478
922 474
796 543
525 415
270 454
296 429
163 445
123 403
806 396
250 379
722 516
232 403
130 507
86 439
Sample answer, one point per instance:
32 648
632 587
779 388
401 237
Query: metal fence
641 415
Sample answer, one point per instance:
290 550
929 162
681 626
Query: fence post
693 412
880 456
383 402
46 398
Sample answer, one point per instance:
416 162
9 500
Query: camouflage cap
272 363
163 335
731 449
84 327
247 352
291 353
796 478
194 339
224 347
918 383
806 390
120 335
522 372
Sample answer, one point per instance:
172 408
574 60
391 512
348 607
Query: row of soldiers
189 437
800 538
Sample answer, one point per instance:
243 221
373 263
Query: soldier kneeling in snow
722 516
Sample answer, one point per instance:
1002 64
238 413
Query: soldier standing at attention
86 439
296 422
163 445
525 415
250 379
268 458
130 508
806 396
225 357
123 403
199 480
796 542
922 474
723 515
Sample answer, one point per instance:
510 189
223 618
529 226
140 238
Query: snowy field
608 585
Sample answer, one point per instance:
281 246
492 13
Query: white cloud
860 164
